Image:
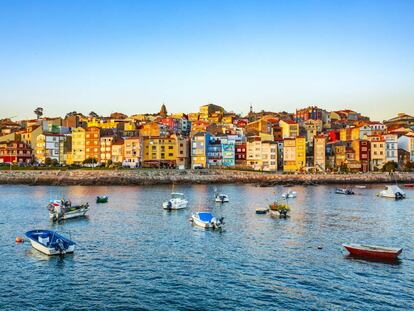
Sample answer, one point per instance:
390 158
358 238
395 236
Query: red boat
372 251
409 185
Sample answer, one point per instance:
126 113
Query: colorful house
289 128
199 143
15 152
132 152
78 145
319 152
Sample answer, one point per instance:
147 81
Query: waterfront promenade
159 176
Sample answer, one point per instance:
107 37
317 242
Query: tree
90 161
390 166
93 114
48 161
38 112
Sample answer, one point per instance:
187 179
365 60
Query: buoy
319 247
19 239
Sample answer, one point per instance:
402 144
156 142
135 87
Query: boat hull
174 206
378 253
200 223
69 215
50 251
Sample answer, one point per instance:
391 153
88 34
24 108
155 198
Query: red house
15 152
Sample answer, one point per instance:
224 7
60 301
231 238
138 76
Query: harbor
258 261
207 176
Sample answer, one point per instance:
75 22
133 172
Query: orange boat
372 251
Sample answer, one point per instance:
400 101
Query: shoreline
168 177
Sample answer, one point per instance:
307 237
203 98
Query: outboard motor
398 196
169 205
60 247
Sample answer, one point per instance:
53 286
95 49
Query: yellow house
118 151
300 152
289 128
289 155
29 135
78 145
294 154
378 154
160 150
150 129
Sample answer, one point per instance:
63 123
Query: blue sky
132 56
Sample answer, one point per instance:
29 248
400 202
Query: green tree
390 166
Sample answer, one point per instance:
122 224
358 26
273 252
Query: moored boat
50 242
373 251
221 198
207 220
409 185
278 209
176 202
347 191
289 194
61 210
102 199
393 192
262 211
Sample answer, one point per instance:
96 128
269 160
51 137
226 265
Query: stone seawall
155 177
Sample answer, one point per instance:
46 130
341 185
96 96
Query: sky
132 56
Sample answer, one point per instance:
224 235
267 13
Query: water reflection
130 252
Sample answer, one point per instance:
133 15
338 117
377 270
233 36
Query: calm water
132 254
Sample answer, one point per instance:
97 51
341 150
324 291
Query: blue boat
50 242
207 220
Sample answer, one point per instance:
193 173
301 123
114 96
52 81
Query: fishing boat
262 211
347 191
176 202
61 210
50 242
221 198
207 220
393 192
277 209
372 251
289 194
102 199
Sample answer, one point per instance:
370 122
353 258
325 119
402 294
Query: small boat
207 220
393 192
262 211
372 251
221 198
409 185
278 209
360 186
102 199
289 194
176 202
50 242
61 209
347 191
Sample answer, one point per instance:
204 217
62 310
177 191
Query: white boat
393 192
347 191
221 198
176 202
61 210
207 220
50 242
289 194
